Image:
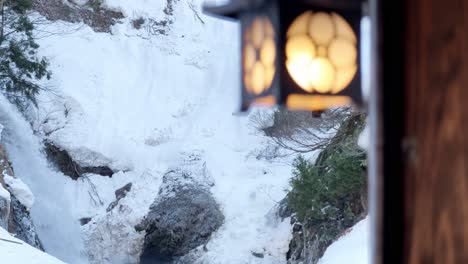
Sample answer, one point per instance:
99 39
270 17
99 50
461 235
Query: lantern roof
234 7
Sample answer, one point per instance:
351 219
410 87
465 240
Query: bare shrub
299 132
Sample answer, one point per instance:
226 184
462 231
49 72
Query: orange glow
265 101
316 102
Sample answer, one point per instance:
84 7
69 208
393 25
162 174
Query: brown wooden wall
435 143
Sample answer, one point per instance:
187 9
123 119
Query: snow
352 248
4 194
145 102
56 195
363 140
15 251
20 190
141 103
136 8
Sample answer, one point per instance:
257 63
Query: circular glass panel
321 52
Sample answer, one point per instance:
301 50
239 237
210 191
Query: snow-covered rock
110 236
184 215
13 250
20 190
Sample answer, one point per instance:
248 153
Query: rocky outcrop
5 200
22 224
119 194
5 197
183 217
68 166
91 12
12 211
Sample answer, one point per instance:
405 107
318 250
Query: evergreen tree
20 64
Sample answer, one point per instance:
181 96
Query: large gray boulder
183 217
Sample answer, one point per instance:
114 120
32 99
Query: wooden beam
436 125
419 117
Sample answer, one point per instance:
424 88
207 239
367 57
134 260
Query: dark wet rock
68 166
284 210
258 255
119 194
5 165
4 212
296 245
22 224
122 192
163 26
182 218
85 220
138 23
5 168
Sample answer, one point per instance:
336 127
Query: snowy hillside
144 102
141 101
352 248
13 250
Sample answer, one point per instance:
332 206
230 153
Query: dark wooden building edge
420 116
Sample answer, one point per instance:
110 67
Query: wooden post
436 125
419 116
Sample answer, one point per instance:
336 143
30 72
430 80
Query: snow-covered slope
13 250
352 248
141 102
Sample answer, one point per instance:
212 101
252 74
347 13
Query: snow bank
20 190
352 248
4 194
13 250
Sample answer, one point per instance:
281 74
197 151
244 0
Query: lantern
300 53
